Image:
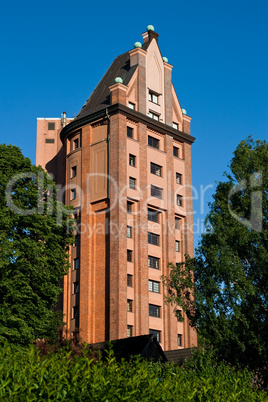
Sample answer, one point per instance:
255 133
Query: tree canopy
230 269
33 249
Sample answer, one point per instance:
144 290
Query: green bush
26 375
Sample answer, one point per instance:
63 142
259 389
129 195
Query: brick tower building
125 162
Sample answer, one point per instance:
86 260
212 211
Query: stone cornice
133 115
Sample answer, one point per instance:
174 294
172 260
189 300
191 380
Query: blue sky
53 54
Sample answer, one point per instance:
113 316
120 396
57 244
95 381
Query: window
154 311
76 263
131 105
179 340
129 331
76 143
51 126
175 125
179 315
178 178
156 191
153 97
73 194
176 152
73 171
75 287
154 286
132 183
153 215
50 141
153 262
153 239
129 232
129 207
177 246
75 313
132 160
153 142
156 169
129 280
153 115
77 240
179 200
76 215
129 305
156 333
129 132
177 223
129 255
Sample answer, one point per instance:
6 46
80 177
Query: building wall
106 294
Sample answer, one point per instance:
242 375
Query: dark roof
100 97
179 355
143 345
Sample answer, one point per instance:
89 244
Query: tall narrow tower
127 164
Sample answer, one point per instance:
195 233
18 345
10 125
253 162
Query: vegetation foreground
28 375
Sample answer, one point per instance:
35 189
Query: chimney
63 119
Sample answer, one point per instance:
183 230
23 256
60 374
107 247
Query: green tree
33 249
231 264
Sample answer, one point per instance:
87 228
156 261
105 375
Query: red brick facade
121 168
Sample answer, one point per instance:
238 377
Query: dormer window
175 125
153 97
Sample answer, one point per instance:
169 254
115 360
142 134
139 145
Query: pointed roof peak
149 35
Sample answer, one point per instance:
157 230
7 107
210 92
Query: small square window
131 105
153 116
132 183
153 215
132 160
129 255
178 178
76 143
75 313
129 331
73 194
153 262
156 191
50 141
77 240
129 280
153 97
175 125
176 152
153 142
156 169
177 246
154 311
76 263
75 287
179 340
179 200
129 132
177 223
156 333
129 232
153 239
73 171
154 286
129 207
51 126
129 306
